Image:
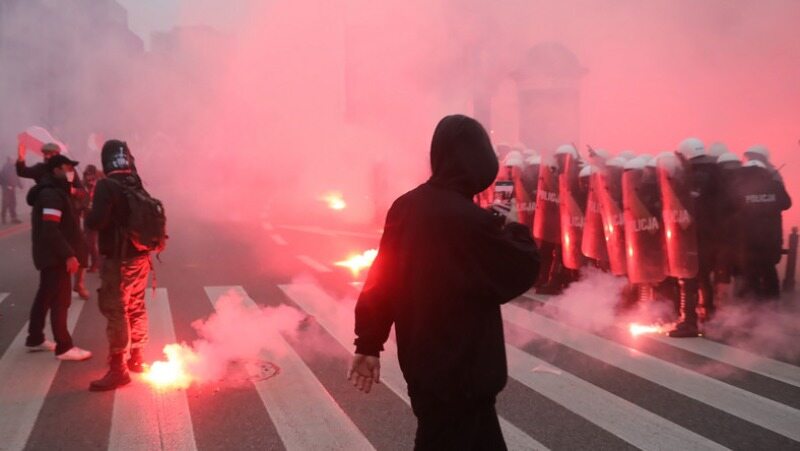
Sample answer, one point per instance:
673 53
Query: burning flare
174 372
640 329
335 201
358 262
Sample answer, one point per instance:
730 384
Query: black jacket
109 214
758 200
55 230
443 269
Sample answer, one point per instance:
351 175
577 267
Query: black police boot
688 326
136 361
116 377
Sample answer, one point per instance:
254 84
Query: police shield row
680 225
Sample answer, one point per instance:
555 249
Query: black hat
57 160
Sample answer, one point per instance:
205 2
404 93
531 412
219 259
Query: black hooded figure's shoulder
47 188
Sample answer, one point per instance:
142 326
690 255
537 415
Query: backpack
146 228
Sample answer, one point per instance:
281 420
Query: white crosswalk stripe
313 264
751 407
279 240
730 355
637 426
303 411
144 418
327 313
25 379
739 358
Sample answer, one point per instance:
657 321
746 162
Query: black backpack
146 228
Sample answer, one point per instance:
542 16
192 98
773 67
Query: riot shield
547 220
525 181
678 215
593 243
571 208
610 196
644 232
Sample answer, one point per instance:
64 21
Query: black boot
136 362
116 377
688 325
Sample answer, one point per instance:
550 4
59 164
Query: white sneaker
75 353
46 345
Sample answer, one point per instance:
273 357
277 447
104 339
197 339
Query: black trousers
457 425
761 281
53 296
706 287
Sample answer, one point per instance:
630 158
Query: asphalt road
569 388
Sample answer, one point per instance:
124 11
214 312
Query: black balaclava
117 157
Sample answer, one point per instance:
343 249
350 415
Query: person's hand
20 151
504 210
365 371
72 265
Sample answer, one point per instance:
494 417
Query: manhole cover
262 370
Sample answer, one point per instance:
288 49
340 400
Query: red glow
172 373
641 329
335 201
359 262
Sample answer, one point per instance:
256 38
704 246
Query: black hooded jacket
109 212
443 269
55 230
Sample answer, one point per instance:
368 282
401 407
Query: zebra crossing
305 413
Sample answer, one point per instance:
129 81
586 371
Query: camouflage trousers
121 300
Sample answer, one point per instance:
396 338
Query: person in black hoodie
57 251
125 269
443 269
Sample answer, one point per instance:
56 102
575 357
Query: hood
116 157
47 181
462 158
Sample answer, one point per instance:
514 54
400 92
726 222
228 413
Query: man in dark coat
759 201
9 183
76 191
125 269
38 170
443 269
57 251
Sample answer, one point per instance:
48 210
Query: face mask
70 176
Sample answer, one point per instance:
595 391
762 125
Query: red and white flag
34 137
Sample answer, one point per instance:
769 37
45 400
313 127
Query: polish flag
34 137
51 214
